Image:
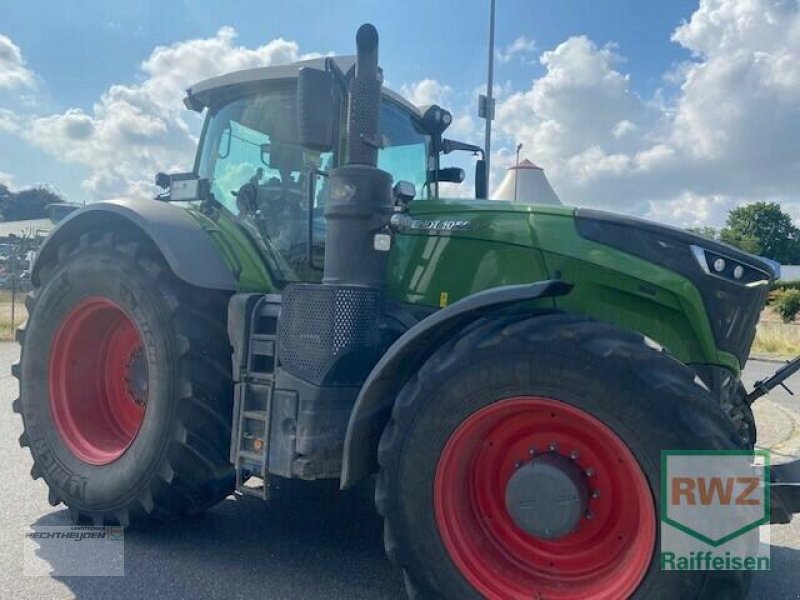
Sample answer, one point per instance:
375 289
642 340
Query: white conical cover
532 186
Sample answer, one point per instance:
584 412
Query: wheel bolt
574 454
595 494
589 515
589 472
532 451
517 465
553 446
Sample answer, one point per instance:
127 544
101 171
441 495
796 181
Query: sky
672 110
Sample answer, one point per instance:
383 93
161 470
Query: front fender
373 406
187 248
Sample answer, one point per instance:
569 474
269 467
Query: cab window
257 170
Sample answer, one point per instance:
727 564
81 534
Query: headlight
725 267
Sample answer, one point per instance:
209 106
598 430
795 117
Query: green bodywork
499 243
507 243
239 252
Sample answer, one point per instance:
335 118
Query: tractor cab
259 169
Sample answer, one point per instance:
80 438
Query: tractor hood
649 240
732 284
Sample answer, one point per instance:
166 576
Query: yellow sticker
442 299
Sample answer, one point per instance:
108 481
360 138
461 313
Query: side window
242 157
257 170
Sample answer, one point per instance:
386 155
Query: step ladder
253 395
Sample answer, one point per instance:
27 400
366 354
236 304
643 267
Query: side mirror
481 180
316 109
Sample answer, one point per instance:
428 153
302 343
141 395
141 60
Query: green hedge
778 288
786 285
786 303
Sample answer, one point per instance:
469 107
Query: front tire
591 398
125 385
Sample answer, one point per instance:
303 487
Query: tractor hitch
784 478
763 387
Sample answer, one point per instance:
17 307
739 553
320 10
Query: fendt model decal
437 225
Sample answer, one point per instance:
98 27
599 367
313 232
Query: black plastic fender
375 400
187 248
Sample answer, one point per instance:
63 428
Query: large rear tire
600 405
125 384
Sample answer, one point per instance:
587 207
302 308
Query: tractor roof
224 88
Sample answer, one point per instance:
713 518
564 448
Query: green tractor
303 305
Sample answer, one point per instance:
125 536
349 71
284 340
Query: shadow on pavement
312 542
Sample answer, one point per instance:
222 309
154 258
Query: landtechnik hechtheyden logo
74 550
715 510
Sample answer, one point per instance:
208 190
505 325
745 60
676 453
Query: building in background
526 183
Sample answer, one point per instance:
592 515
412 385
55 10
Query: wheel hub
548 496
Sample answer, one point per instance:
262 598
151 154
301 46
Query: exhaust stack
364 101
360 200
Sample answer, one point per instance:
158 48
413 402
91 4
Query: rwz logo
708 491
714 496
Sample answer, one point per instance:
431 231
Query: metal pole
489 99
13 289
516 173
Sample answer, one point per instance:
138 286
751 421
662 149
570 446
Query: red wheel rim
98 381
606 556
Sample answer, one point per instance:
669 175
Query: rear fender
188 249
373 406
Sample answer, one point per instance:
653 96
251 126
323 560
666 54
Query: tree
708 232
763 228
30 203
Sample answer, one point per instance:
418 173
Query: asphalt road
315 544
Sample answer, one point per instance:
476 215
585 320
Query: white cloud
133 131
6 179
9 121
13 72
520 47
724 132
427 91
730 134
693 210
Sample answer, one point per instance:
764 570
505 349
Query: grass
20 314
781 339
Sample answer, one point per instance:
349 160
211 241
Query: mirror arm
338 74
